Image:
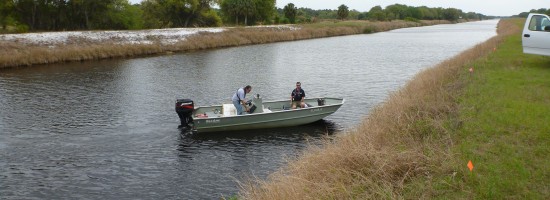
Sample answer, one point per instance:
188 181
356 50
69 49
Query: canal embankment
57 47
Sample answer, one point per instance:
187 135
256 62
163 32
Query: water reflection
256 140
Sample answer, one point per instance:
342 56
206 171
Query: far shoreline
19 54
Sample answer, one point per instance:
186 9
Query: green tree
265 10
396 11
208 16
229 9
414 12
354 14
290 12
248 9
541 10
363 16
328 14
523 14
75 14
27 12
343 12
179 13
153 14
426 13
439 12
376 13
238 9
7 13
122 15
40 14
451 14
471 15
90 14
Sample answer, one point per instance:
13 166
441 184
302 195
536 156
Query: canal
108 129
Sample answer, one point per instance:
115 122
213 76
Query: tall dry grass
14 54
407 137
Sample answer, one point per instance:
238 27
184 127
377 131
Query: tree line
55 15
540 11
59 15
377 13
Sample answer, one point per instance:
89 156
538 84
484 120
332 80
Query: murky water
108 129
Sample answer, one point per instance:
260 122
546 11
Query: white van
536 34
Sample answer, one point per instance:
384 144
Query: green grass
505 132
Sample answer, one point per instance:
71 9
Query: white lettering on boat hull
212 121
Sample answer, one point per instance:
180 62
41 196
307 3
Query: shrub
22 28
277 19
411 19
285 21
369 29
210 19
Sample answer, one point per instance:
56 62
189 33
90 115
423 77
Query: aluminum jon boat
270 114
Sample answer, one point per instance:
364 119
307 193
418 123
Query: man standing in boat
239 99
297 96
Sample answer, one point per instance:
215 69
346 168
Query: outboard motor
185 108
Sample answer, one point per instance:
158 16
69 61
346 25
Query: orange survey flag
470 165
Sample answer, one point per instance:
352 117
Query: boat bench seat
229 110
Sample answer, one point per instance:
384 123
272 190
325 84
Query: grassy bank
417 144
505 112
13 53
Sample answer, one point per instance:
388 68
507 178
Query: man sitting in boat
239 100
297 96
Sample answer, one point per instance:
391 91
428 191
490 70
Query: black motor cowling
185 108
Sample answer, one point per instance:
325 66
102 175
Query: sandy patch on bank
120 37
164 36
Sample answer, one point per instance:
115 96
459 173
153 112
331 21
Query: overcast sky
486 7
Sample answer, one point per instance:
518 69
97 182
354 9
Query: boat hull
277 115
